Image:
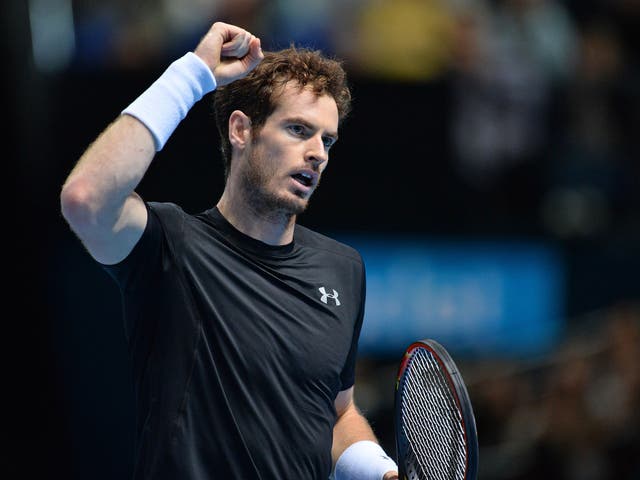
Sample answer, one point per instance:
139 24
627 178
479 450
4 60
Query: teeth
306 175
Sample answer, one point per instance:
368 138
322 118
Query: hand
390 476
231 52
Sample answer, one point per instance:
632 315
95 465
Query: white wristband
364 460
163 105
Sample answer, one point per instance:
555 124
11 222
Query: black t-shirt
238 348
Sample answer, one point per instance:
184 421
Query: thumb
254 56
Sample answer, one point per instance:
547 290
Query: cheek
283 158
279 156
272 163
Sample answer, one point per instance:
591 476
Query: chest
294 316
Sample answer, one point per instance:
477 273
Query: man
242 325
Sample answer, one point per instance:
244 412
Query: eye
328 142
297 129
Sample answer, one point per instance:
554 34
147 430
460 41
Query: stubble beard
268 203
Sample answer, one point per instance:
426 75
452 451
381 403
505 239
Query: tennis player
242 325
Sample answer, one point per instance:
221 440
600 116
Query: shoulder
308 238
166 209
170 214
176 223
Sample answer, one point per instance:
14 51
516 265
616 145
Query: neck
272 228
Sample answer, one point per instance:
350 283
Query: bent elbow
75 205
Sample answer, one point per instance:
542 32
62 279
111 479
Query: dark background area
395 170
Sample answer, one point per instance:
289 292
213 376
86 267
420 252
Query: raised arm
98 198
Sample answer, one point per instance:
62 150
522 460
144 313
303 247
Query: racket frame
460 395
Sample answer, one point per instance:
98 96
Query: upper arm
112 245
343 401
108 241
98 199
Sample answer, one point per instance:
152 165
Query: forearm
356 453
110 169
350 427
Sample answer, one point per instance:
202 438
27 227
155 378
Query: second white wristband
363 460
163 105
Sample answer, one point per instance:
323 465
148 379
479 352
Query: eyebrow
306 123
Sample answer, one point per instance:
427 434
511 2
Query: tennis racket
435 427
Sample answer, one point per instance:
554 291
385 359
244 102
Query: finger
238 51
243 49
228 32
231 69
255 55
238 46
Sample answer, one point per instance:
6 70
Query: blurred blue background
489 175
483 299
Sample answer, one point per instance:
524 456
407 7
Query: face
287 155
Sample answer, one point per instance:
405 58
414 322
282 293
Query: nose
316 152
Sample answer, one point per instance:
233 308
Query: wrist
364 460
168 100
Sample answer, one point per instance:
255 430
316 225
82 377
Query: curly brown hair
256 95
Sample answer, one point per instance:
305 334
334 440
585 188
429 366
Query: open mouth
303 178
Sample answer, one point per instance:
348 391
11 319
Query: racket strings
432 422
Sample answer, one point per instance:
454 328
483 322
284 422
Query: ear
239 129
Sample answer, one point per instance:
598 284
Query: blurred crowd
544 101
571 414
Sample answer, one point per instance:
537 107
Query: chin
302 202
297 207
293 203
287 204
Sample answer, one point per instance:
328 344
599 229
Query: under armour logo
326 295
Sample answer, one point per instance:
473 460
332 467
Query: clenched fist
231 52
